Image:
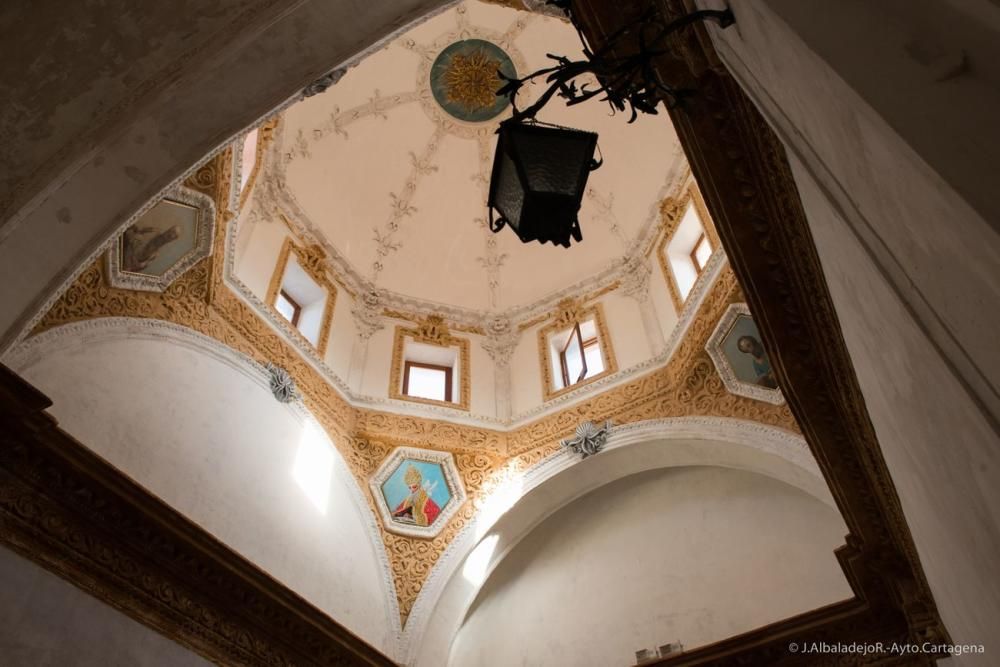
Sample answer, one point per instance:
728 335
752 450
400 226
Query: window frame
448 370
699 268
296 306
459 385
288 247
550 352
564 365
672 211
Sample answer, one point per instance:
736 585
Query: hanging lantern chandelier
540 170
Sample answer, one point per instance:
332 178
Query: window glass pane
574 358
702 252
426 383
285 307
595 362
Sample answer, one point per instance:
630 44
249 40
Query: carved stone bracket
368 314
282 384
321 84
501 340
589 439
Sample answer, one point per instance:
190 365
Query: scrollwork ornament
368 314
635 279
282 383
589 439
501 340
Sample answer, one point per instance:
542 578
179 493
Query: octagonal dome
390 166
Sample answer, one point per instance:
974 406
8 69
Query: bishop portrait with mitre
418 507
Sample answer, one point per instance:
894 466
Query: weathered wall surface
49 622
888 113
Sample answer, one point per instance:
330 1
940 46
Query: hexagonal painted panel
163 242
740 359
417 491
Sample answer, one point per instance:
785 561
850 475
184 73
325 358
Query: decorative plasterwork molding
369 317
202 248
431 331
278 202
365 435
777 442
204 299
500 340
725 370
588 440
281 383
447 463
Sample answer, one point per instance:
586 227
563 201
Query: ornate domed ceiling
391 165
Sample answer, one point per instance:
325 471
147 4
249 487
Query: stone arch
545 488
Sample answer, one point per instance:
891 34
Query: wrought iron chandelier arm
627 82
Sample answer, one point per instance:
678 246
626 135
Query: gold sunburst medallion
464 79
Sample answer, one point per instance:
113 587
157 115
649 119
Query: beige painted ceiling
399 187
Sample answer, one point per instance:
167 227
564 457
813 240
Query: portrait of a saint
417 507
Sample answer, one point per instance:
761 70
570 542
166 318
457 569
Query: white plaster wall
343 333
652 558
659 294
881 146
214 444
628 337
938 253
260 253
48 622
375 381
526 372
483 381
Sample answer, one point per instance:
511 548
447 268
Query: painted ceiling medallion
739 356
464 79
163 243
417 491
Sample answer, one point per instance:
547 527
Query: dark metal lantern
539 176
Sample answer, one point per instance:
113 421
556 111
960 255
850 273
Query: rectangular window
580 354
685 252
288 307
575 354
427 381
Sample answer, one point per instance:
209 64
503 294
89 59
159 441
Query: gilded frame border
443 340
671 212
287 248
568 315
